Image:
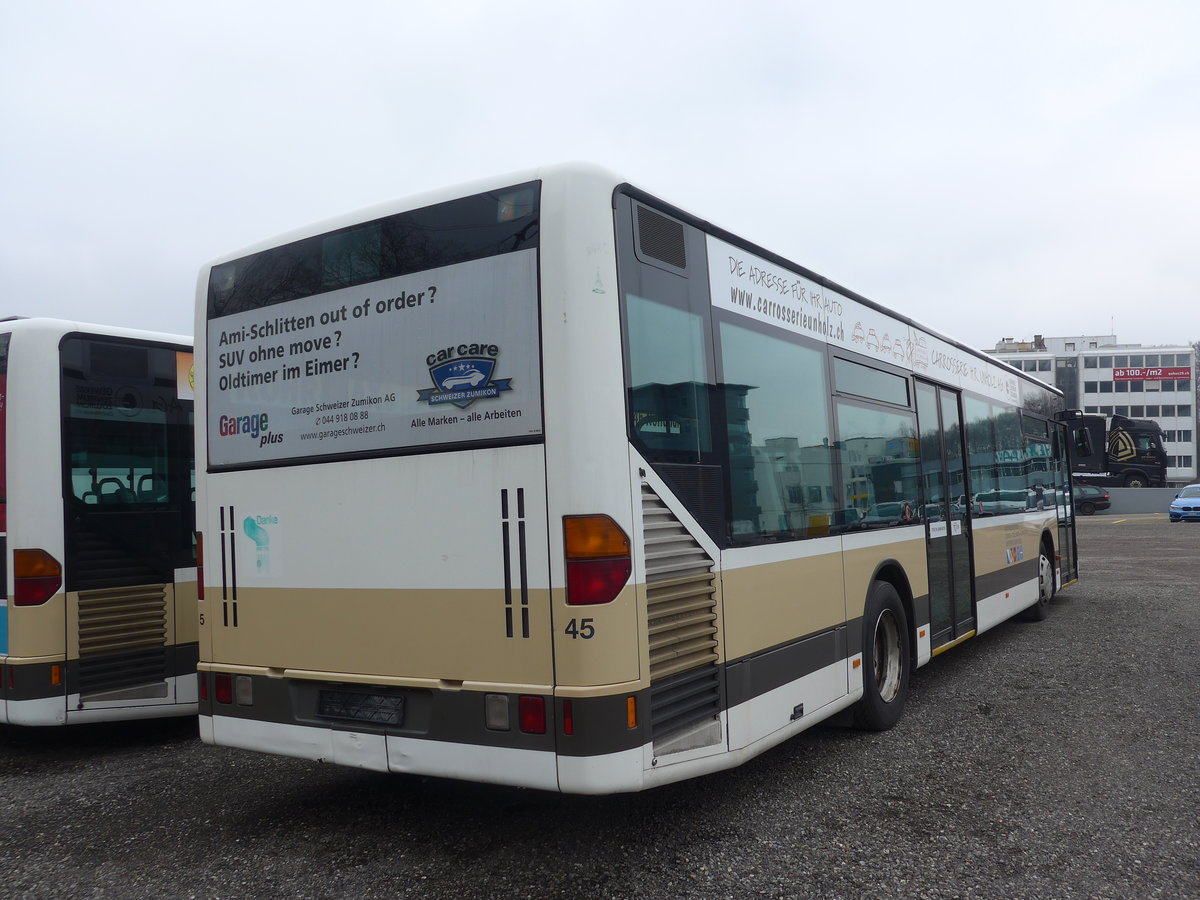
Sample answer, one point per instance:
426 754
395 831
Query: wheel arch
892 571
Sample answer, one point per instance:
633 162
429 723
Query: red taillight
596 580
37 576
202 683
568 718
598 559
224 687
531 715
199 565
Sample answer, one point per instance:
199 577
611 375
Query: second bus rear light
37 576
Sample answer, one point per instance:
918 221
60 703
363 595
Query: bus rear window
469 228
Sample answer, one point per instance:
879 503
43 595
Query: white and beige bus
97 518
545 482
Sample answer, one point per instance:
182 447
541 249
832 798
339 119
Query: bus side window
669 401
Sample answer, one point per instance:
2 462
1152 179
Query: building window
1043 365
1089 362
1152 411
1070 345
1089 387
1137 387
1122 410
1106 410
1121 362
1152 359
1185 435
1137 361
1168 411
1122 387
1106 387
1137 411
1183 385
1106 362
1185 410
1091 409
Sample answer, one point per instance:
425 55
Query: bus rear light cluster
37 576
531 714
229 688
223 687
598 557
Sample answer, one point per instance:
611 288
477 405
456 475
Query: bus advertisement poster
446 356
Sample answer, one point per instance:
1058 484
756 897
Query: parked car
1000 503
880 515
1089 498
1186 505
843 520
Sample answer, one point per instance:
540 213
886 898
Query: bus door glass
945 512
1060 468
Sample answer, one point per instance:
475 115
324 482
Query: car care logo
463 374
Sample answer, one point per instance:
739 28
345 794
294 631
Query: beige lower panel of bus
37 630
861 565
773 603
993 541
187 623
457 635
611 656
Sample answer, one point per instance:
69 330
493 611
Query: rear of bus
375 585
427 539
96 498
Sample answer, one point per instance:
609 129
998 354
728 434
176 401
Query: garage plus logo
463 374
256 427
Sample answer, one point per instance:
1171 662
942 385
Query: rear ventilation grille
661 238
122 637
681 600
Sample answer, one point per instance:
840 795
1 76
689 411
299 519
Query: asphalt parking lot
1052 759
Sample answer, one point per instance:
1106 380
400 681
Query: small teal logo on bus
463 374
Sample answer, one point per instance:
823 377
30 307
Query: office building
1098 374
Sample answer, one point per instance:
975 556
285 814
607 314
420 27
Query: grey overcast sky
992 170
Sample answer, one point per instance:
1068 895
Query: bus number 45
580 628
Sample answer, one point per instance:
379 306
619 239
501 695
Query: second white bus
97 516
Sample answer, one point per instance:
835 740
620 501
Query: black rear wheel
886 661
1041 609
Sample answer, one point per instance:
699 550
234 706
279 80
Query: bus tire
1039 610
886 661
